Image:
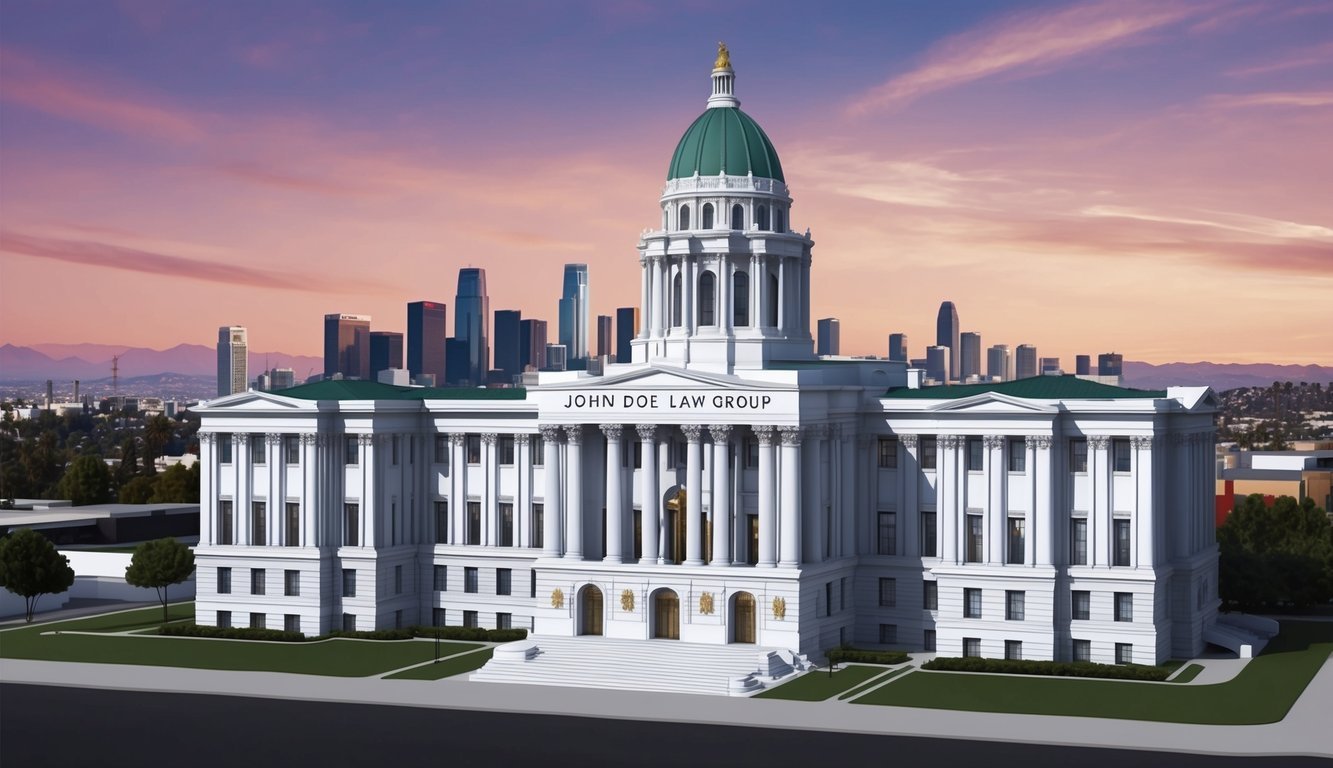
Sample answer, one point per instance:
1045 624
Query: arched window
708 216
772 300
675 301
763 217
737 217
707 299
684 217
778 216
740 297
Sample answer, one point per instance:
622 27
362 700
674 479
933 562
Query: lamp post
435 620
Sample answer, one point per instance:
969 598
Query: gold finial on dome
723 57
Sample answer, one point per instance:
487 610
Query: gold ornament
723 56
779 608
557 598
627 601
706 603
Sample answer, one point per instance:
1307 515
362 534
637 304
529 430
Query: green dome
725 140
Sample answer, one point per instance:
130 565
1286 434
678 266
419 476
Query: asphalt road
61 726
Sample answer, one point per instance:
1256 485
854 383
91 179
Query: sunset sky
1144 176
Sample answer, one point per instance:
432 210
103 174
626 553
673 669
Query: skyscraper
898 347
946 334
998 362
532 344
969 355
574 312
1082 365
1110 364
830 337
386 351
556 357
282 378
937 363
1025 361
233 370
627 326
508 343
426 331
347 346
1048 365
604 337
472 321
456 362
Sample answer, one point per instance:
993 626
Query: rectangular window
349 582
441 522
291 450
928 640
888 634
441 578
506 524
503 581
930 595
1081 605
888 533
1078 541
351 451
1124 653
1014 605
751 446
888 593
1013 650
538 450
971 603
828 598
225 524
442 449
888 453
972 647
1082 650
928 533
539 525
224 449
1017 540
393 450
532 583
1018 455
1078 455
224 619
1120 532
976 453
258 523
258 452
472 448
292 513
1124 606
1120 455
974 539
474 522
349 622
504 621
291 622
927 452
257 581
469 618
469 579
506 443
224 581
351 525
398 579
291 583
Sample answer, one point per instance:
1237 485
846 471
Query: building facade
472 327
233 361
426 331
347 346
726 486
573 311
947 333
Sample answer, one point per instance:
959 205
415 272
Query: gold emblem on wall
557 598
627 601
779 608
706 603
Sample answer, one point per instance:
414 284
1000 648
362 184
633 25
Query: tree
159 564
177 485
88 481
1278 556
138 490
157 433
31 567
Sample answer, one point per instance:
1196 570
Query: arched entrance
742 618
666 615
590 610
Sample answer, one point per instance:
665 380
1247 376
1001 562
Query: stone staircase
639 665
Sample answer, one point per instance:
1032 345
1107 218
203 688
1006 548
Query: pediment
992 402
256 401
666 379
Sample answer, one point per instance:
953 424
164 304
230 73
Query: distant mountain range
91 362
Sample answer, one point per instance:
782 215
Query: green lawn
1187 674
874 682
818 685
455 665
337 657
1261 693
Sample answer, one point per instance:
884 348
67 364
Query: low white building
726 486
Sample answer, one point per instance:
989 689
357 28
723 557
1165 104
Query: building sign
691 405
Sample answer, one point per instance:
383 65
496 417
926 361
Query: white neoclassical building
727 486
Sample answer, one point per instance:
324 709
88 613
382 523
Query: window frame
972 602
1122 542
291 582
471 579
258 581
223 580
976 538
930 595
928 457
1078 541
887 532
1080 605
291 450
888 453
888 592
1015 605
1122 455
1016 540
349 582
1123 603
504 581
1017 460
975 457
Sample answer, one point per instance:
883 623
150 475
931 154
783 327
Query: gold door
743 620
752 557
666 615
591 620
675 544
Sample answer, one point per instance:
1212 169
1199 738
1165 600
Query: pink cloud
1289 99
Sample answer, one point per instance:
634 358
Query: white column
847 445
552 501
995 470
909 486
694 485
812 487
208 495
688 284
1144 512
758 287
1041 519
370 495
805 295
722 522
724 293
574 487
457 489
310 496
1099 532
615 497
523 493
645 293
490 513
790 537
948 517
650 497
660 300
783 305
768 499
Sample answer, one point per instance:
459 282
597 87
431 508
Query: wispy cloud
1316 55
1230 222
1026 43
1287 99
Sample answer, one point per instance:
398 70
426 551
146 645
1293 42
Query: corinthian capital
692 432
720 433
790 435
765 433
647 432
613 431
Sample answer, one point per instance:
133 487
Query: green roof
373 390
1034 388
725 140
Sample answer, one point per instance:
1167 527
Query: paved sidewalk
1305 730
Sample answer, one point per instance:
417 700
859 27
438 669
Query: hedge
843 655
230 633
254 633
378 634
1053 668
472 633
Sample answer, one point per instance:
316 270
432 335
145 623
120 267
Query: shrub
378 634
1053 668
844 655
472 633
230 633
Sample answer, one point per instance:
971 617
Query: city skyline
1132 165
